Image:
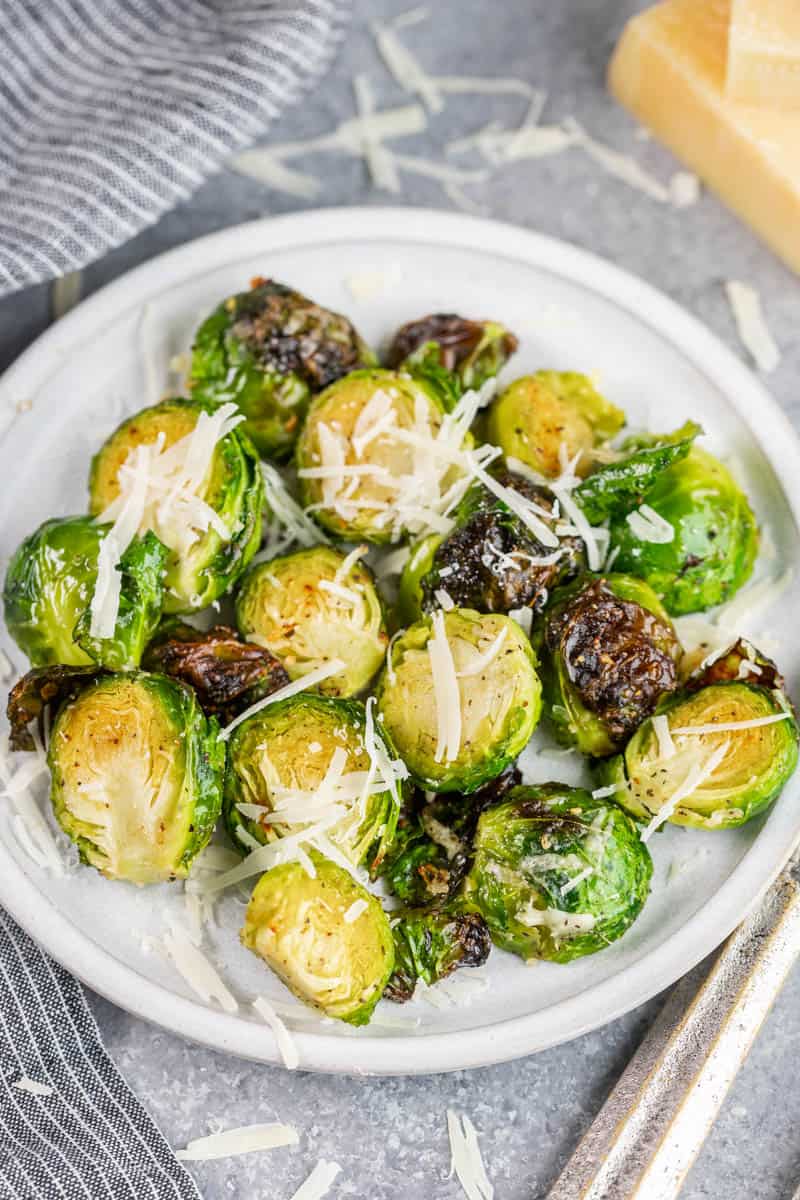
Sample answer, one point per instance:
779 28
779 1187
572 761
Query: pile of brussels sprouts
545 586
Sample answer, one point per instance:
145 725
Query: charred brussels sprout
136 776
608 654
278 759
541 417
296 923
38 695
704 773
430 945
741 661
557 874
313 606
269 351
714 536
491 561
619 486
359 451
213 531
473 351
49 586
460 698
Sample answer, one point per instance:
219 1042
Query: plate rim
390 1053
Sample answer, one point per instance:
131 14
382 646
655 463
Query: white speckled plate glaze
383 267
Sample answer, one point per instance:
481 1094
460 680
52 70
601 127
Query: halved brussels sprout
359 454
203 562
557 873
38 695
136 776
541 417
296 923
313 606
740 661
715 538
456 742
608 655
473 351
269 351
755 762
619 486
49 586
491 561
430 945
280 758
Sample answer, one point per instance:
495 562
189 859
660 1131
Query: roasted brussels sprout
313 606
279 758
740 661
38 695
227 674
726 754
608 655
136 776
49 586
618 486
212 528
491 561
460 698
550 417
473 351
430 945
557 874
359 451
714 540
269 350
298 923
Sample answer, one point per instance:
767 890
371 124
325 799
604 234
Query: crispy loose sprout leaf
269 351
544 418
227 674
619 486
557 874
714 542
212 531
313 606
460 698
716 777
306 760
296 923
42 690
430 945
49 585
741 661
136 776
473 351
491 561
608 655
364 460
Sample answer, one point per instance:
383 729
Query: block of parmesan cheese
764 53
669 71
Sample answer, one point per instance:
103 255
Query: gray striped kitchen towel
113 111
70 1127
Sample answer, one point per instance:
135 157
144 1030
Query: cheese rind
764 53
669 70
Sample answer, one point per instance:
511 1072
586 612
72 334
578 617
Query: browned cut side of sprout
43 688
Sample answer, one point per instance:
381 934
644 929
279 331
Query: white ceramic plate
383 267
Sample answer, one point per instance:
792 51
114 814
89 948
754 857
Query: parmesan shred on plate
201 976
246 1139
465 1157
751 325
31 830
283 1037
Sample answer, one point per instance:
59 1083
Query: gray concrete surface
390 1135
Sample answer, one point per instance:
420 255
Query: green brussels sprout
720 777
278 760
310 607
541 418
470 351
49 586
296 923
617 487
430 945
715 538
491 561
456 742
269 350
136 776
608 655
557 874
363 485
203 564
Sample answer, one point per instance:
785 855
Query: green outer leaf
140 603
409 598
424 367
431 944
620 486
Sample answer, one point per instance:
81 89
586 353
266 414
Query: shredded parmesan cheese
650 526
264 166
666 746
291 689
319 1182
479 664
32 1087
524 618
684 189
243 1140
406 69
697 775
446 692
196 969
355 910
731 726
465 1157
745 304
286 1043
620 165
444 600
